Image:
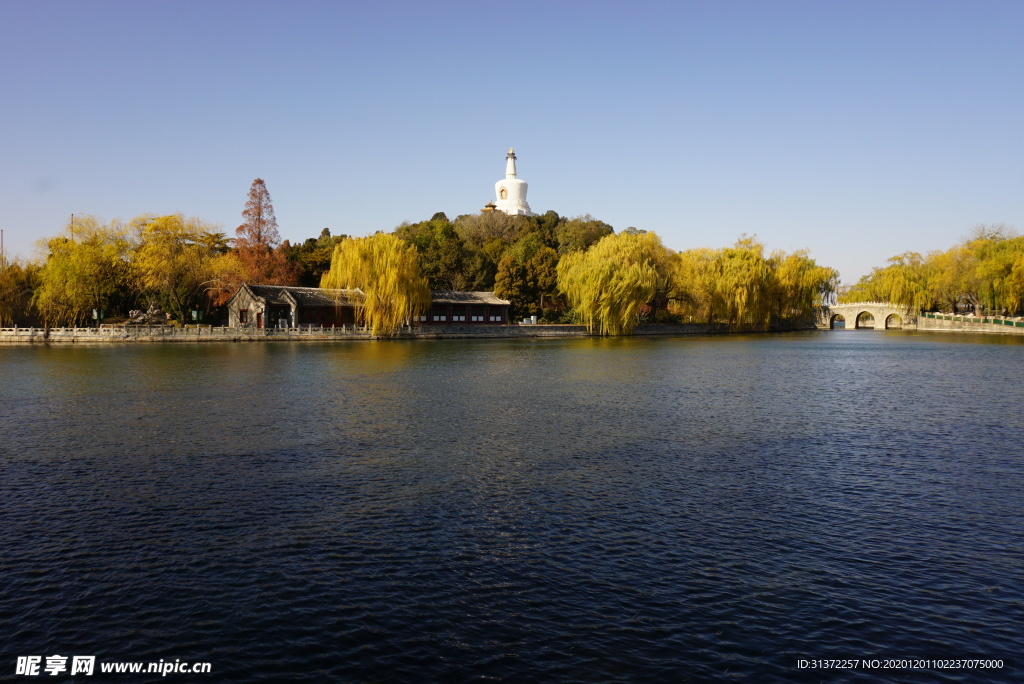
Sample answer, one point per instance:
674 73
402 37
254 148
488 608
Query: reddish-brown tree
257 241
260 227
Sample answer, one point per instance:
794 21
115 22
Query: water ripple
585 510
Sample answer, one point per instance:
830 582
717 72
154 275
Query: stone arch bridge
870 315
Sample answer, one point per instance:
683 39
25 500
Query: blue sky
858 130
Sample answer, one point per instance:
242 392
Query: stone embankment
115 334
989 324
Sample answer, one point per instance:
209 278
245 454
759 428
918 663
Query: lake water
555 510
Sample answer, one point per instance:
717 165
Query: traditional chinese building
273 306
450 307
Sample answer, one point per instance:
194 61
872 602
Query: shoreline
209 334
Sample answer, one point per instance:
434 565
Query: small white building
511 192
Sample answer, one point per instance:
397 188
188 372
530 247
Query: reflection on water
589 509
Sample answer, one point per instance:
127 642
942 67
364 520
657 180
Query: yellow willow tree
1015 282
741 287
743 279
693 285
996 256
800 284
905 281
951 281
84 269
173 260
387 270
609 283
17 281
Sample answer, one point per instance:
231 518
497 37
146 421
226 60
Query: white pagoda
511 192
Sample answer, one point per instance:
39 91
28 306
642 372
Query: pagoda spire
510 164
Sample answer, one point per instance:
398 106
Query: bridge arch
837 321
864 320
893 322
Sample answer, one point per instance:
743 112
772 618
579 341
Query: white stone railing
118 331
881 305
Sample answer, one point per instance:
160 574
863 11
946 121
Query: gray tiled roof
304 296
281 295
271 294
455 297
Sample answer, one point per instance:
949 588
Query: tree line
580 270
984 272
178 263
561 269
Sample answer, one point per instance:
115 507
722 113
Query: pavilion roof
282 295
285 295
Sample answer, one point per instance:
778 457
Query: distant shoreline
207 334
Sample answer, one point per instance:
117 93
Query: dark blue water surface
561 510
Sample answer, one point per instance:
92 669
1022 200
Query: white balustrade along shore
113 334
168 333
106 334
1001 325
